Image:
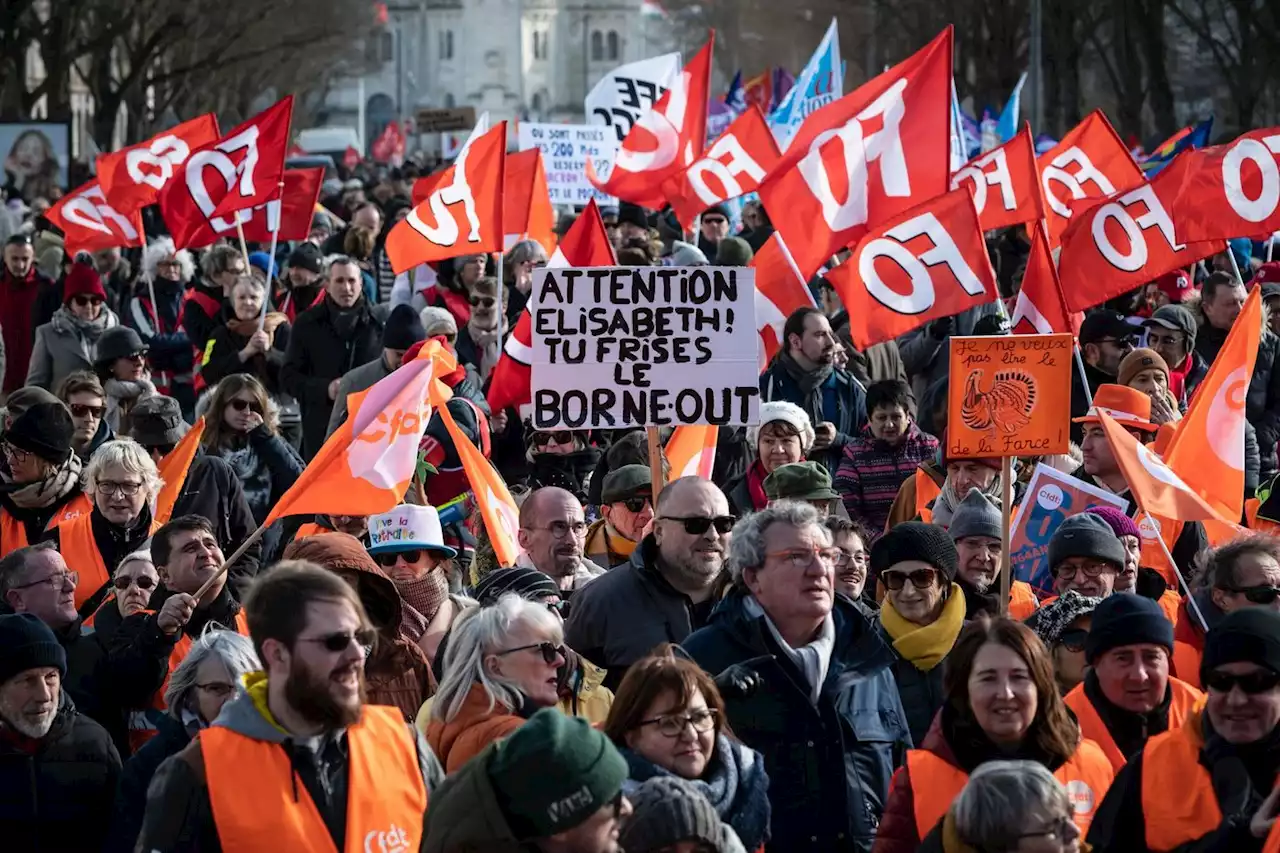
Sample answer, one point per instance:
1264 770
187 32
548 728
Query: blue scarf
734 782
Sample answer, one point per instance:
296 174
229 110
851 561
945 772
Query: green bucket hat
799 481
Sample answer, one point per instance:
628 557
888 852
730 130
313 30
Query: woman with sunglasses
561 458
1208 785
668 719
69 342
1001 703
921 615
1063 626
501 666
41 477
783 436
479 342
121 365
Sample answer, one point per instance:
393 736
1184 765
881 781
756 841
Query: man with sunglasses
1105 339
1241 574
667 590
1200 786
83 395
626 509
298 759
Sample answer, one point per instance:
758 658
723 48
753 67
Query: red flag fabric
1230 190
527 213
927 263
1040 308
291 214
780 290
90 222
389 146
1089 162
734 165
462 213
1005 183
133 177
865 158
585 244
666 139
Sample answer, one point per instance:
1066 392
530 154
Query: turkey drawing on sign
1005 407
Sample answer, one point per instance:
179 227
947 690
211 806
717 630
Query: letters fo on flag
734 165
1089 162
1005 183
1230 190
133 177
366 464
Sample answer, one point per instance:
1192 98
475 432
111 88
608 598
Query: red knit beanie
82 280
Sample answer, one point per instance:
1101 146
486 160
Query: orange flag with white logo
1207 451
501 518
780 290
366 465
461 212
1157 489
527 213
173 470
691 451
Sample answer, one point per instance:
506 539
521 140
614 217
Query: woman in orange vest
42 485
122 481
1127 695
1001 703
1199 786
977 530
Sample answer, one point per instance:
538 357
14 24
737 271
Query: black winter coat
849 418
921 692
131 797
829 762
212 490
57 797
318 354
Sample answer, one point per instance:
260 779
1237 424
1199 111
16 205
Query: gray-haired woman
1008 807
198 688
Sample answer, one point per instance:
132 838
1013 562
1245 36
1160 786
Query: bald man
553 532
668 588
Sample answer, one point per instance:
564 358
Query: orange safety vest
80 551
1273 839
1186 663
13 533
1192 812
1022 600
1170 602
258 807
1184 701
935 784
927 492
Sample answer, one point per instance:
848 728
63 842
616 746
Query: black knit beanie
915 540
1127 620
27 643
1085 535
1251 635
46 430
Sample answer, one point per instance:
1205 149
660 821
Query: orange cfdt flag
691 450
1157 489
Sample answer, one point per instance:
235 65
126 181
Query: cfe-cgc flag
133 177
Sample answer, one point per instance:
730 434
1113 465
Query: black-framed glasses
387 560
240 405
844 558
1089 570
143 582
1253 683
340 641
140 355
562 529
482 301
15 454
671 725
217 689
542 439
108 488
1059 830
1264 594
920 579
1121 343
84 410
55 580
549 651
696 525
714 220
81 300
636 504
1073 639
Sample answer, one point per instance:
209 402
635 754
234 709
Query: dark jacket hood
341 552
465 814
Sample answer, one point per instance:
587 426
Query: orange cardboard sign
1009 395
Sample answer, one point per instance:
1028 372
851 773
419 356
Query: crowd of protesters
811 650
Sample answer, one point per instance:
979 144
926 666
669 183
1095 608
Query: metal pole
501 286
1186 590
1006 513
1035 56
1084 378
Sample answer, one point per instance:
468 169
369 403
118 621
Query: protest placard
644 346
1009 395
624 94
1051 498
565 149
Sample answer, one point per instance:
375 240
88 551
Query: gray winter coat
61 349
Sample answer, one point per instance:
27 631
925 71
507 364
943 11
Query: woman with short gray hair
1008 807
206 679
502 664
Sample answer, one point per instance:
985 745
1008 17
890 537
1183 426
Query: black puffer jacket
212 490
921 692
56 794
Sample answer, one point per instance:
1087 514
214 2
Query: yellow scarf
925 645
619 544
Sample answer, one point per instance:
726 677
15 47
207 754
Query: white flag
629 91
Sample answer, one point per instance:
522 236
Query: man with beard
297 760
666 591
804 373
58 768
553 531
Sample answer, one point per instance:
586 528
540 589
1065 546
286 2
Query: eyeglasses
14 453
714 220
218 689
342 640
920 579
542 439
411 555
56 580
108 488
1073 639
1089 570
1252 684
169 262
700 524
561 529
851 558
485 301
1121 343
636 504
135 356
80 300
671 725
550 651
84 410
1256 594
802 558
122 583
240 405
1060 830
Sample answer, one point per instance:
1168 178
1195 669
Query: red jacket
17 308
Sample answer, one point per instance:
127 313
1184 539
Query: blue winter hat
262 261
1242 249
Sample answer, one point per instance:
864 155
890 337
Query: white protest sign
644 346
565 149
630 90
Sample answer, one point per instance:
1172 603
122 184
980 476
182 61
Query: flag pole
244 247
502 285
239 552
1084 379
655 459
271 258
1191 601
1235 265
1271 244
1006 513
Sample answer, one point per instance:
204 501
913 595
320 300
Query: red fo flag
1089 162
1040 308
780 290
865 158
1230 190
927 263
461 212
666 140
1005 183
90 222
734 165
133 177
291 214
